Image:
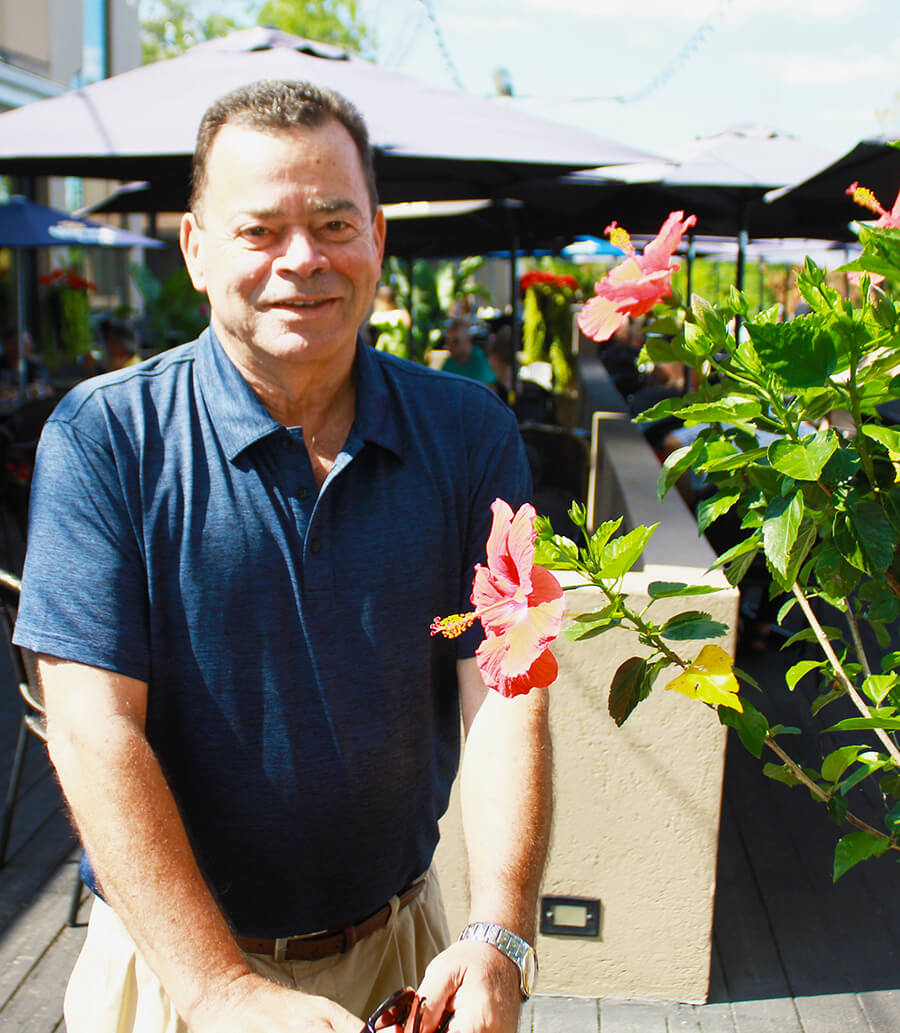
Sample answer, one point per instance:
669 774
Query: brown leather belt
332 941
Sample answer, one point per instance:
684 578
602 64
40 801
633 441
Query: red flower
71 278
634 286
865 197
538 277
520 606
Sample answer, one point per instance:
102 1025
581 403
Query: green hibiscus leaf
733 409
834 574
856 847
887 436
806 539
751 726
677 463
579 632
877 687
620 554
733 460
629 687
800 670
837 762
673 589
781 773
780 528
693 624
866 724
803 460
712 323
881 603
709 510
875 534
892 820
801 352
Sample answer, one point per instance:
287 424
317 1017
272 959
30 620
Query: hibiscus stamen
619 237
864 196
454 625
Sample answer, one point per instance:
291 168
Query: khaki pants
112 990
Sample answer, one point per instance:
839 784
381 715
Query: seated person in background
37 379
464 359
120 344
500 357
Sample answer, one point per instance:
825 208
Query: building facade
47 46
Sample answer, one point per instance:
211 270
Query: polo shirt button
303 493
287 441
315 546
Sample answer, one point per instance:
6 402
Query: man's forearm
506 792
131 828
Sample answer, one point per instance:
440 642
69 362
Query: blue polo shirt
305 719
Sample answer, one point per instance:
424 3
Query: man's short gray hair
273 105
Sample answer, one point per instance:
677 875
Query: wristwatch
519 951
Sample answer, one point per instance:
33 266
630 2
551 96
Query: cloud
697 11
804 69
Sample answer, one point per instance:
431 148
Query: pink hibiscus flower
865 197
520 606
634 286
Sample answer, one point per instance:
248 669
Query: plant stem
858 642
848 686
640 626
820 793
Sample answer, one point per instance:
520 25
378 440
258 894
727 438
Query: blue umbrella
27 224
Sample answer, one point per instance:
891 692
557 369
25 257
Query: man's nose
302 254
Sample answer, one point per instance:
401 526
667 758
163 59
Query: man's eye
256 232
338 227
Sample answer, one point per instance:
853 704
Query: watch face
529 971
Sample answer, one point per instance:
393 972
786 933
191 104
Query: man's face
458 343
284 245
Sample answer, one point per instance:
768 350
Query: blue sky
822 70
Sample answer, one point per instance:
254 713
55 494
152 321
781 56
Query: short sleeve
84 590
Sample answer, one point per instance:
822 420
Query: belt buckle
280 952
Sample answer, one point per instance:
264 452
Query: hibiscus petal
659 251
544 587
497 553
492 659
520 544
600 319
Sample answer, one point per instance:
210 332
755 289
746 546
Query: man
235 553
464 359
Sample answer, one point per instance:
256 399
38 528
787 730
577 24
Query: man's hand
478 983
254 1004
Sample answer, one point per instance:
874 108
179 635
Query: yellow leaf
710 678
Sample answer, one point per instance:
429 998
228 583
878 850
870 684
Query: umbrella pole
514 292
20 323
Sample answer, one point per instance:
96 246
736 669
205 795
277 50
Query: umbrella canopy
25 223
430 143
821 199
721 178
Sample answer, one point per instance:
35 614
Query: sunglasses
402 1010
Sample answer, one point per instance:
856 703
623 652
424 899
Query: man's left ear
189 238
379 232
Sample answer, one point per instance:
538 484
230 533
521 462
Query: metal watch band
519 951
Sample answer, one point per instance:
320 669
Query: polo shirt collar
241 419
238 415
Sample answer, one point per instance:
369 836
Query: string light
442 44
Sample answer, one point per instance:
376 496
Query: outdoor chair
19 436
33 720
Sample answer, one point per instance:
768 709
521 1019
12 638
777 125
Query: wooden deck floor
793 953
